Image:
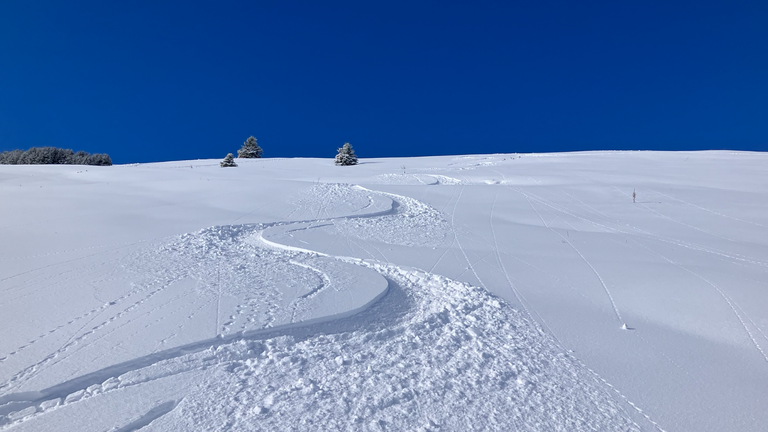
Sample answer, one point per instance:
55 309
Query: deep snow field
488 292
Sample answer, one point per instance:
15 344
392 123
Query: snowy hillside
490 292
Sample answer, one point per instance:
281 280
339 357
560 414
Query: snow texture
504 293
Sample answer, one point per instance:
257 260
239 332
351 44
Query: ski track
501 261
93 311
326 281
62 282
450 324
254 211
594 374
646 234
707 210
693 246
723 295
218 299
663 216
732 305
37 269
458 241
651 237
543 272
602 283
520 298
66 251
450 247
732 258
31 372
142 329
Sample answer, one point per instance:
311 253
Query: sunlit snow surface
490 292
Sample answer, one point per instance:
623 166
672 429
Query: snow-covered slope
496 292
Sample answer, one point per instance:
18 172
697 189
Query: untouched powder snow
491 292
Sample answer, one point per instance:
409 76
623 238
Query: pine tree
250 149
228 161
53 156
346 155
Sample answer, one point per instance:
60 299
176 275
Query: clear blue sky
157 80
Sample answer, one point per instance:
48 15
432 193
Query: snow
488 292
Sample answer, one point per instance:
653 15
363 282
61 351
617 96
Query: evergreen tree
99 159
53 156
250 149
346 155
11 157
228 161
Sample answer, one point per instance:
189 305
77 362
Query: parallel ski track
595 375
642 233
458 241
723 295
733 306
706 209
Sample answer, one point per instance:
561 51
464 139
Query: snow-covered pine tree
250 149
53 156
346 155
228 161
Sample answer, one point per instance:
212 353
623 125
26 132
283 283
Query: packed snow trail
432 353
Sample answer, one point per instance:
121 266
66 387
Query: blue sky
154 80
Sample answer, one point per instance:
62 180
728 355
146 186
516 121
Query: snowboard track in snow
428 353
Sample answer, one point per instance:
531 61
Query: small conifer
250 149
228 161
346 155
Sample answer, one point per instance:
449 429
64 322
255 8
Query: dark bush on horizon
53 156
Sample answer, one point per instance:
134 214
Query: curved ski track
473 359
